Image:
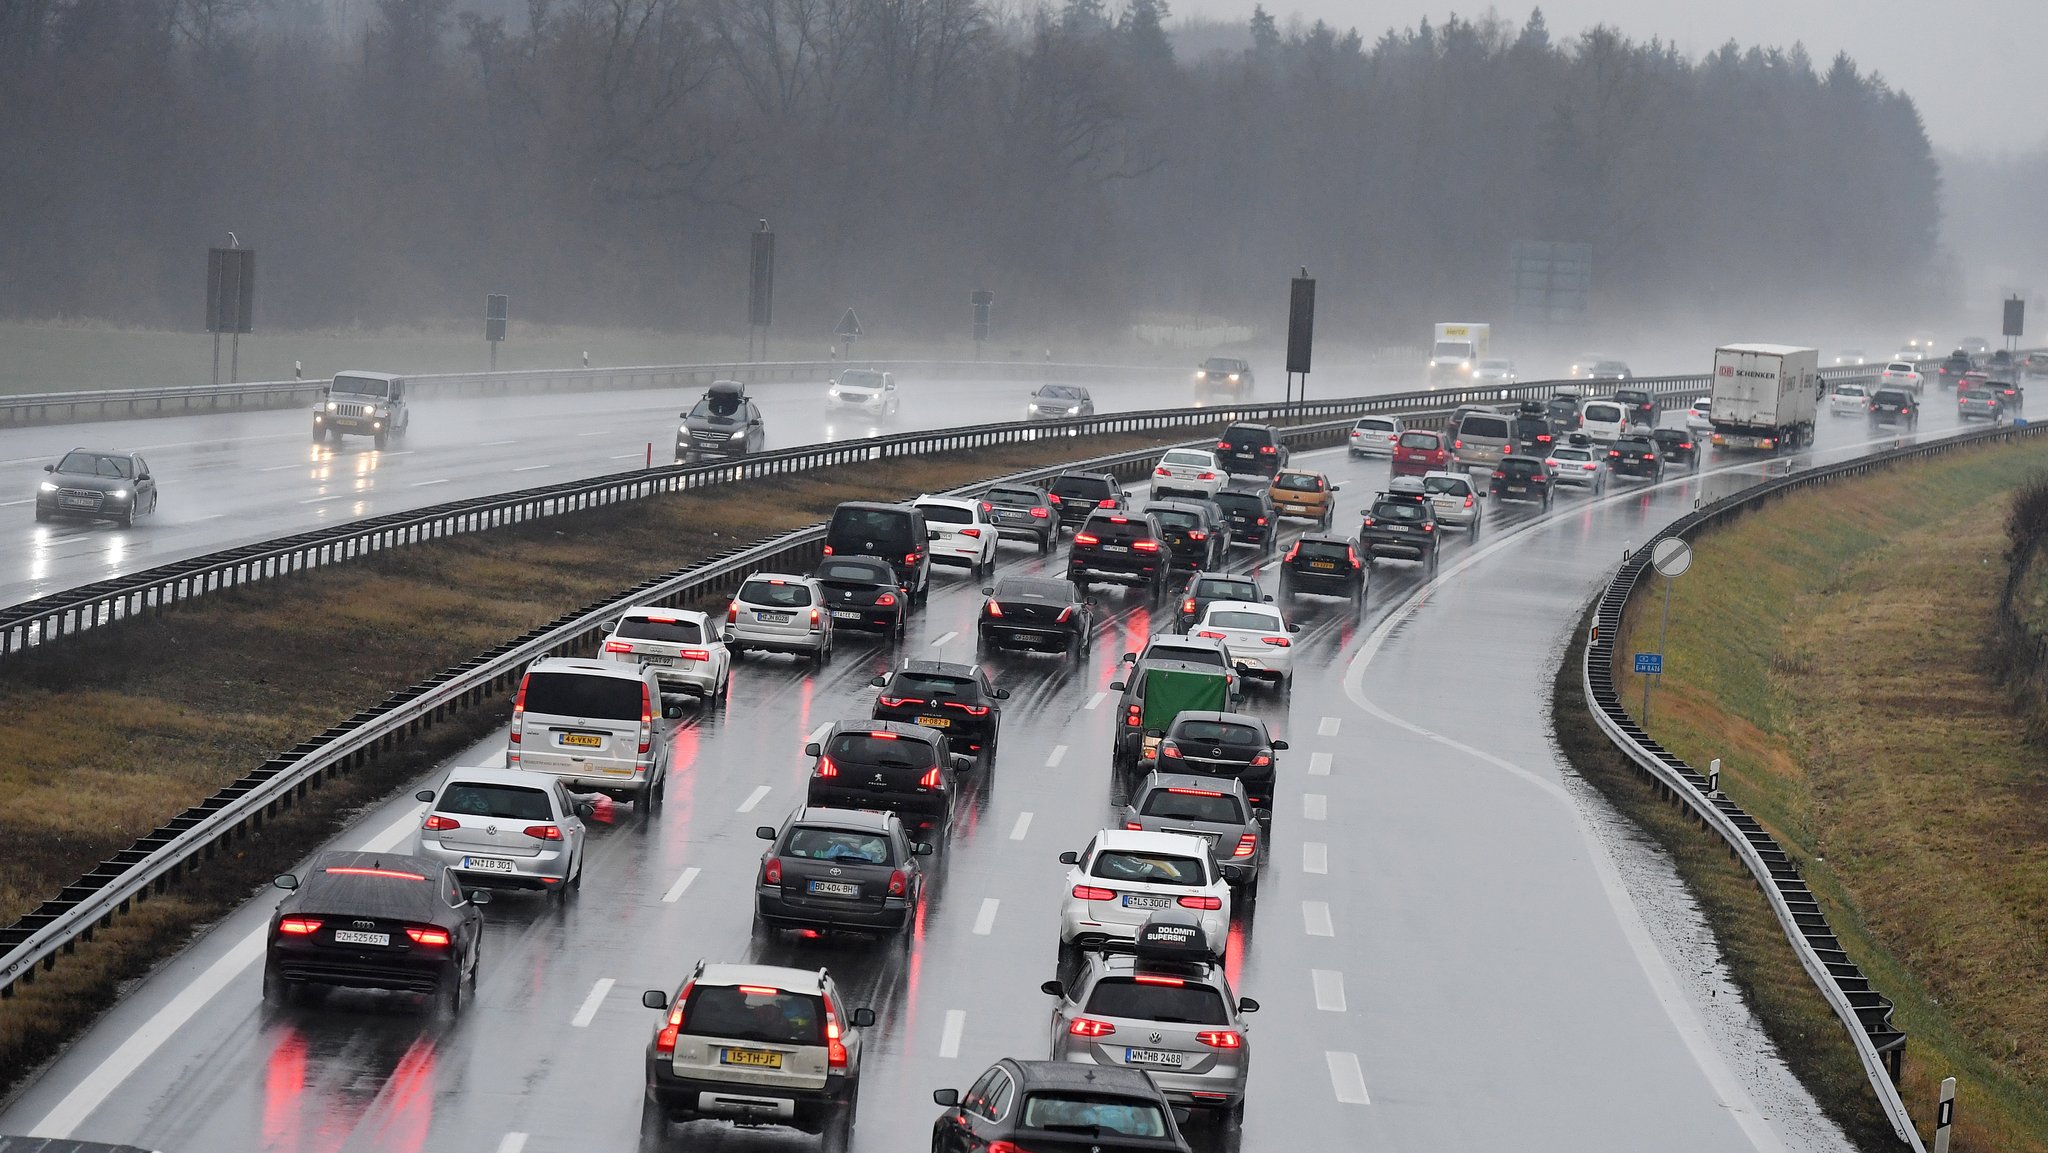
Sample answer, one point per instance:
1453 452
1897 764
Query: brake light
1246 845
1170 751
1352 553
1195 792
1131 716
1053 497
771 871
1220 1039
814 618
1106 502
437 938
899 882
1149 979
973 532
1206 476
1162 470
518 711
1188 606
1499 474
930 780
1209 903
828 550
993 609
353 871
1458 444
617 647
646 719
1468 500
1368 522
1262 520
826 768
1507 450
1145 546
1066 614
898 702
436 822
987 507
886 600
1430 527
1134 826
1088 538
1649 456
1614 452
1088 1027
1197 534
1119 520
1262 760
544 832
835 1044
1277 642
695 654
299 926
911 557
970 710
1211 635
1267 450
1222 446
1041 512
1092 893
732 611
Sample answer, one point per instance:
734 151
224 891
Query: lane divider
1347 1079
1315 919
588 1013
949 1038
985 921
676 891
1022 827
1319 764
1329 987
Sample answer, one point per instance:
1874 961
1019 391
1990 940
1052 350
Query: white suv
779 613
1375 435
1190 471
1901 374
1123 877
685 651
960 533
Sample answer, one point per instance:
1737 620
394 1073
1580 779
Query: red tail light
1088 538
1507 450
814 618
299 926
826 768
1194 792
886 600
1431 527
973 532
1468 502
695 654
1246 845
1134 826
427 935
930 780
1292 552
1151 979
1208 634
1052 497
970 710
617 647
665 1041
436 823
1277 642
1649 456
899 883
1458 444
1092 893
898 702
911 557
1088 1027
543 832
1352 553
1042 512
518 711
1131 716
1368 522
1206 476
993 609
1106 502
835 1043
1267 450
1145 546
1222 446
1170 751
828 550
1197 534
1066 614
1188 606
646 719
1262 760
732 613
1162 470
987 507
1209 903
1262 520
771 871
1220 1039
1614 452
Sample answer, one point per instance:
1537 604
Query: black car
1018 510
904 769
1522 478
1534 433
1197 532
1894 406
894 533
1076 496
839 869
1563 410
1060 402
1322 565
1951 370
2010 394
93 485
1224 374
375 921
1251 448
1643 407
1206 588
1119 549
725 423
1043 613
1224 745
1058 1107
1401 526
1252 520
957 700
1635 456
861 593
1677 446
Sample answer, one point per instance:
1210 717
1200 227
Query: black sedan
1677 446
93 485
375 921
1042 613
1635 456
839 869
1067 1106
957 700
1323 565
861 593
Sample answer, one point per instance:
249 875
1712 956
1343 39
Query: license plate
1398 527
647 660
1159 1057
1116 548
1141 901
752 1058
1517 488
80 502
583 740
772 618
358 937
835 889
844 615
1330 564
1243 455
489 865
936 722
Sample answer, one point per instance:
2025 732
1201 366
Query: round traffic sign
1671 556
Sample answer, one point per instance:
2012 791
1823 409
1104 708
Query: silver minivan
599 726
779 613
1483 438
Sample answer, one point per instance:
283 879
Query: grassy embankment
105 736
1832 649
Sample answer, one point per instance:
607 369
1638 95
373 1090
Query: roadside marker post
1714 778
1944 1114
1671 557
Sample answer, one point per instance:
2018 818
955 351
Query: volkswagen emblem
848 595
1157 1038
491 829
835 870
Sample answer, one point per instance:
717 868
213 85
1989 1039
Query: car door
756 435
145 484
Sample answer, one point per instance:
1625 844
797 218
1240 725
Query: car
2009 391
1303 495
1894 406
1534 431
1484 438
1197 532
1902 374
896 534
1258 638
385 921
1059 402
1608 370
1604 420
1318 564
754 1044
1677 446
1158 689
960 535
866 389
90 484
1494 371
371 404
955 699
887 766
1699 415
1120 548
598 726
2034 364
1224 373
1187 471
1252 521
839 870
1374 435
1635 456
1160 1006
1076 496
1189 649
1419 451
1579 466
687 653
1974 346
861 593
1458 415
1582 365
1563 410
1024 512
504 829
723 424
1952 368
1848 357
1453 500
1523 478
780 613
1644 409
1057 1105
1205 588
1123 876
1399 526
1979 404
1847 399
1910 354
2000 361
1216 809
1030 612
1251 448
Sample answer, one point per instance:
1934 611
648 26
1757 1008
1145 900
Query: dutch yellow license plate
583 740
936 722
753 1058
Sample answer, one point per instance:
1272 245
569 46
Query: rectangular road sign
1650 663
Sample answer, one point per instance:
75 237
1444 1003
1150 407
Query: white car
1603 420
961 534
505 829
687 654
780 613
1902 374
1849 356
865 389
1494 372
1375 435
1193 471
1453 499
1699 417
1848 400
1259 640
1125 876
1579 466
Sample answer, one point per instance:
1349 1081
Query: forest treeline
602 160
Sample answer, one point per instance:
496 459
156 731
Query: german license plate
835 889
647 660
1322 564
1398 527
1244 455
583 740
489 865
845 615
80 502
1142 901
358 937
1116 548
1160 1057
936 722
752 1058
772 618
1517 488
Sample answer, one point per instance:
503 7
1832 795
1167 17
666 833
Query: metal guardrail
1864 1012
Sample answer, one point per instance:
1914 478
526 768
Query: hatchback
1251 516
1454 500
1197 532
1522 478
501 828
1847 399
1894 406
1677 446
861 593
885 765
955 699
1024 512
1636 456
686 653
1215 809
1056 1105
1192 471
1321 565
779 613
1419 451
1374 435
1076 496
1222 744
1579 466
1303 495
1204 589
839 869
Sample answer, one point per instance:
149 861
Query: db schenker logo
1727 370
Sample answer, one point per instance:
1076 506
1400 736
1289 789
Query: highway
1448 953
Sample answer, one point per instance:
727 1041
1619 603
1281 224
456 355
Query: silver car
1454 500
503 828
1215 809
779 613
1375 435
1161 1006
1579 465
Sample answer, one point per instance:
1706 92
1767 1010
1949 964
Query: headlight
119 494
1233 378
46 486
333 407
1072 409
833 391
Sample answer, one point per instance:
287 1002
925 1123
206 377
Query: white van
599 726
1603 420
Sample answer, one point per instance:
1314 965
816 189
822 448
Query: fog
601 161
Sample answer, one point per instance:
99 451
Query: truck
1765 396
1455 350
1155 692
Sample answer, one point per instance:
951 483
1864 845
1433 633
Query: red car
1419 451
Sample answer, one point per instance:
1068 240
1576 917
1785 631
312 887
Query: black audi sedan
375 921
92 485
1042 613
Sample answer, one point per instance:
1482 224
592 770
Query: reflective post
1944 1114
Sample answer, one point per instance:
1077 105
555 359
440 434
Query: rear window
1375 424
1193 805
1150 868
1117 528
1522 466
857 570
781 594
1244 434
945 514
1890 397
1228 619
880 526
1491 427
1021 497
1094 488
1125 1116
1300 482
1610 413
1246 502
1571 454
1398 510
505 802
858 846
583 695
1057 592
930 685
1176 518
1453 485
750 1014
1325 549
1420 440
1848 390
1218 733
655 629
1186 1004
885 749
1227 590
1187 458
1977 393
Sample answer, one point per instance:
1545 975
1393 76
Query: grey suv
1215 809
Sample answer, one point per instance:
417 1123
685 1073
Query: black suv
1043 613
1894 406
1076 496
1120 549
1204 589
1522 478
1677 446
723 424
1534 433
904 769
1642 407
1251 448
892 532
1197 532
1951 370
1635 456
957 700
1224 745
1563 409
1323 565
1059 1105
1251 516
1019 510
1400 525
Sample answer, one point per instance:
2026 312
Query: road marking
986 919
531 467
512 1143
1059 753
1315 857
675 891
1347 1080
1319 764
12 503
1329 989
1314 807
1315 919
282 467
1022 827
949 1040
628 456
944 638
599 432
588 1012
425 483
1095 701
759 794
325 499
494 444
817 734
1327 727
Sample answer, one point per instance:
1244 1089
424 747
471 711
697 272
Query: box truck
1455 351
1765 396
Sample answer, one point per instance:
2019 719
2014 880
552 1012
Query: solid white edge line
985 921
512 1143
1315 919
1319 764
675 891
1347 1079
1022 827
1315 857
1329 987
588 1012
949 1038
759 794
1058 754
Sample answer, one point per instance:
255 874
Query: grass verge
1833 649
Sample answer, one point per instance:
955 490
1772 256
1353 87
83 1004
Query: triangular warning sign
849 325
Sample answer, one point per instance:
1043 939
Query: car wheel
653 1125
650 801
447 999
381 439
42 517
276 990
319 434
575 881
838 1133
127 517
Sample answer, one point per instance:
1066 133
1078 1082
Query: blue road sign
1650 663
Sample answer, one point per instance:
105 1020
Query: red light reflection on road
1233 952
408 1101
916 968
284 1088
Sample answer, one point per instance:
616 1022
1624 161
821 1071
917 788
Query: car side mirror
1067 858
1279 746
424 795
1158 734
1182 1114
947 1097
1091 602
1293 628
614 625
989 591
728 636
921 848
1053 989
863 1017
479 896
765 832
1247 1005
1001 694
586 808
1336 488
682 416
812 749
654 999
880 682
671 711
1269 598
1130 658
1116 686
49 468
285 881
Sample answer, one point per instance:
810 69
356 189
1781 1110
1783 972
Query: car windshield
945 514
360 386
1180 1003
1450 348
930 685
1093 1115
1446 486
1427 440
858 846
97 464
1299 482
778 594
863 571
1217 364
1231 619
754 1013
1060 392
1193 805
583 695
860 378
885 749
505 802
1399 510
660 629
1150 868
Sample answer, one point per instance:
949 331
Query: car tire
447 999
127 517
42 517
653 1125
277 991
837 1134
319 434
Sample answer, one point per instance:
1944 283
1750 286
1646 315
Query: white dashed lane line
1315 919
1022 827
676 891
1059 753
949 1039
1095 701
1347 1080
1315 857
1329 985
588 1013
1327 727
424 484
944 638
531 467
1319 764
1315 807
759 794
512 1143
985 921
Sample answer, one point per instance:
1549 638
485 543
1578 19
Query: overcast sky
1977 69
